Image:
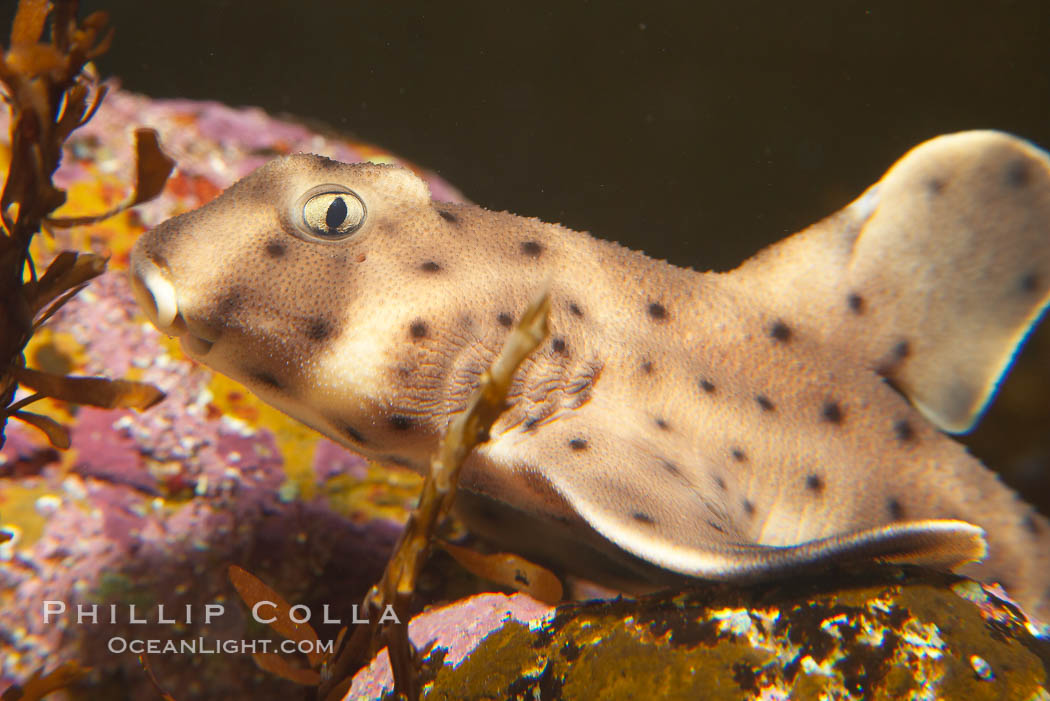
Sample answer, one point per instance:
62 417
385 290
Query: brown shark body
725 426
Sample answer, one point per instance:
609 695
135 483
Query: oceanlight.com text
203 646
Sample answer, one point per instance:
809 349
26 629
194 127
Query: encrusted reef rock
893 633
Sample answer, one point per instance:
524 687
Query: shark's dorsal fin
935 275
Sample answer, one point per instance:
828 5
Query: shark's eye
332 214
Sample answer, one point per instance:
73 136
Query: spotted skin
727 426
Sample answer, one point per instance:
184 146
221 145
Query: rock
892 633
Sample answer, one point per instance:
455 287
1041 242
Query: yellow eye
333 215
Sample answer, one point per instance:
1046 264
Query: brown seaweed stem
52 89
467 430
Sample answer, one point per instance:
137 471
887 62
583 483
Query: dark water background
697 132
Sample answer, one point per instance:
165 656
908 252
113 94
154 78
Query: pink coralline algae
454 631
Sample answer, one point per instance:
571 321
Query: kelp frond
51 89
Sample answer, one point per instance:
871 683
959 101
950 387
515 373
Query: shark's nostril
163 293
155 294
143 297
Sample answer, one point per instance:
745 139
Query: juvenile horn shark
738 425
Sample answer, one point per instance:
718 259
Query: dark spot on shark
721 483
352 433
578 444
662 424
418 329
780 331
832 412
530 423
264 377
430 266
505 320
707 385
558 345
275 249
400 422
575 310
642 517
895 508
934 186
671 467
749 508
1017 174
1029 283
739 455
228 304
448 216
763 401
815 483
855 302
902 350
657 311
318 328
533 249
647 367
1031 525
716 526
904 430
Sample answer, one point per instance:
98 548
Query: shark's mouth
157 297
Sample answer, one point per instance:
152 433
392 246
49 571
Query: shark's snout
156 296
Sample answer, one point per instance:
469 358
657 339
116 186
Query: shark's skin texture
740 425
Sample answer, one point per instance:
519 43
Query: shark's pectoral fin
670 505
936 274
708 548
938 544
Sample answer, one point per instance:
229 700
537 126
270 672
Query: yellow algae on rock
383 493
19 509
295 442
